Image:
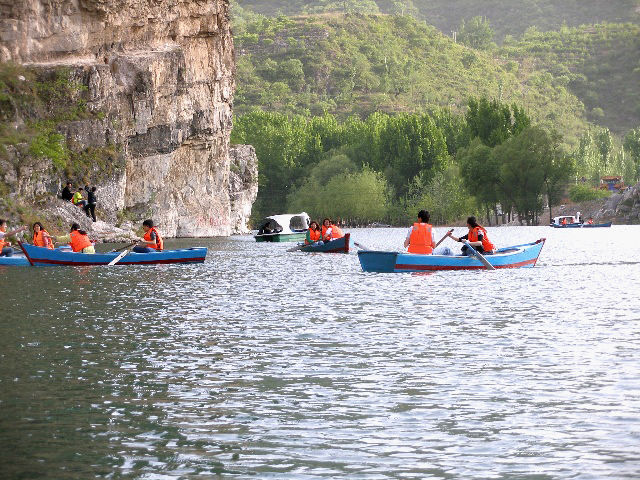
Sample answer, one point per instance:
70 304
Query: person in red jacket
330 231
477 238
152 239
420 235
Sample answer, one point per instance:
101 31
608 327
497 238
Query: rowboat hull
14 261
281 237
519 256
597 225
339 245
39 256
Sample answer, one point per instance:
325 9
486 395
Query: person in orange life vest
477 238
314 234
420 235
77 239
563 221
5 245
330 231
41 237
152 239
590 221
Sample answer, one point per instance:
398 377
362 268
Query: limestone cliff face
622 208
161 74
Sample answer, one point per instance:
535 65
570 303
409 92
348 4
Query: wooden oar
123 248
479 256
296 248
360 246
119 257
442 239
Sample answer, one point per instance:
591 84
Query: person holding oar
152 239
477 238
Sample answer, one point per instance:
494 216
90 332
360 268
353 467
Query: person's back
420 235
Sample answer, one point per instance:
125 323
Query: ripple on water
268 364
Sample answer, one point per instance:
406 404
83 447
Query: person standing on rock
90 208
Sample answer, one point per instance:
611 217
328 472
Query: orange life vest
314 235
3 244
486 243
159 245
39 240
420 240
336 232
79 241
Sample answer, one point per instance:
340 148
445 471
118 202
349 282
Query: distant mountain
358 64
506 16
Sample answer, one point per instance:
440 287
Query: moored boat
516 256
283 228
571 221
339 245
40 256
18 260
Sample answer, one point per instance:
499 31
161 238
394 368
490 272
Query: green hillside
360 64
506 16
599 64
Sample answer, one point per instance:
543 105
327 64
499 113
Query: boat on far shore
571 221
283 228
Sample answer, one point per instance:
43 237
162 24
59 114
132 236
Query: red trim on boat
89 264
25 252
469 267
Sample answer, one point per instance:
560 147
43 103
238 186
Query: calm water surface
267 364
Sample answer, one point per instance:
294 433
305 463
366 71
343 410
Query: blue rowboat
510 257
18 260
596 225
40 256
339 245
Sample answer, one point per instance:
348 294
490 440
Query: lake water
266 364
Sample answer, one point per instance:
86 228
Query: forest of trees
367 117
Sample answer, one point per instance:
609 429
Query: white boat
283 228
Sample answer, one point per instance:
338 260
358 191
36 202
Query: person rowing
152 239
477 238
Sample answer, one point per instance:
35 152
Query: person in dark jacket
92 200
67 193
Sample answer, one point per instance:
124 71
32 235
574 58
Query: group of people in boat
420 238
77 239
318 235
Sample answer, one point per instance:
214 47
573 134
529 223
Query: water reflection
263 363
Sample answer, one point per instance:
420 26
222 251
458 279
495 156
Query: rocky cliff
622 208
155 89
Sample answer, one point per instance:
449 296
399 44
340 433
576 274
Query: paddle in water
121 256
479 256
